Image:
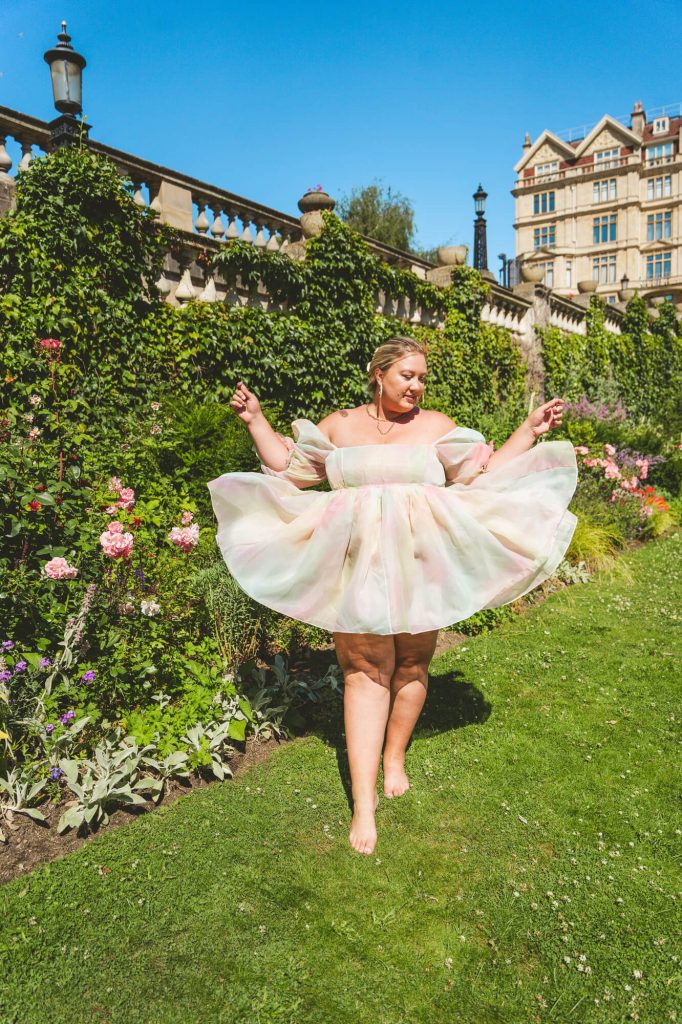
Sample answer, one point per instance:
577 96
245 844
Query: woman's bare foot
396 781
363 833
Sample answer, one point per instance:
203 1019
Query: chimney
526 143
638 119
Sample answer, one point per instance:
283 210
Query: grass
529 875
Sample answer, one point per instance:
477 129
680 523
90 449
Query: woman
425 525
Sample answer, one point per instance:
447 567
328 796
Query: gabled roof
553 140
628 136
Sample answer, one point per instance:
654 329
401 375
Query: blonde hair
388 352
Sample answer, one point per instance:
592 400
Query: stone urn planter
311 206
451 255
587 286
316 201
625 294
531 273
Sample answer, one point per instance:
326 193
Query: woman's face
403 382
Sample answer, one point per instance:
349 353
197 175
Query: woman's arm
271 449
542 419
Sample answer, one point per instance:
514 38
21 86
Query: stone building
607 205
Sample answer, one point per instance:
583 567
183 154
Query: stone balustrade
205 217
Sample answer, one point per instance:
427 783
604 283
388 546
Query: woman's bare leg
367 662
409 683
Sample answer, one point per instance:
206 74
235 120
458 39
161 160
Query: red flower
40 487
50 343
34 505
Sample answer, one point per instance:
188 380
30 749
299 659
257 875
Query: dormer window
549 168
661 125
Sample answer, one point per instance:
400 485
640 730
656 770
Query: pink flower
590 462
581 449
127 498
115 542
111 510
643 467
35 399
186 537
609 449
187 518
114 484
59 569
611 471
155 406
34 433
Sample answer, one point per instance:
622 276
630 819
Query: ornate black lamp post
504 270
66 69
480 242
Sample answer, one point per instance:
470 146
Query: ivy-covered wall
640 368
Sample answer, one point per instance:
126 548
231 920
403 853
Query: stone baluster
155 197
5 158
201 224
26 155
217 227
232 229
185 290
138 198
273 244
246 235
259 241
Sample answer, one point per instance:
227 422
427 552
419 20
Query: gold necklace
376 418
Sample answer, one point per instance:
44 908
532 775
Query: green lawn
531 874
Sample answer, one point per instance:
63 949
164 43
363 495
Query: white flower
149 608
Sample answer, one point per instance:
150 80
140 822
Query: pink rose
609 449
114 484
59 569
187 518
581 449
611 471
115 543
186 537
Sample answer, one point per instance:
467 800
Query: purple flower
7 645
67 716
56 773
88 676
5 676
45 663
21 666
49 728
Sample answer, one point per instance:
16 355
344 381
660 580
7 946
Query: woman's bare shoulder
439 419
334 420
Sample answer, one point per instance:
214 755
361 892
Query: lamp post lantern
480 242
66 69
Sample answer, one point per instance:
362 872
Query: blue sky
269 99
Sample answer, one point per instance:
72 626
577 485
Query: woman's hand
546 417
245 404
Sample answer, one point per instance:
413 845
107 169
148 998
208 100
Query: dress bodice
366 464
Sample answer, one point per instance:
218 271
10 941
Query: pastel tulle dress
411 537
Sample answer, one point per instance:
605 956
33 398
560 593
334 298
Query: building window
611 298
661 124
658 225
658 265
661 151
543 202
607 158
549 275
569 274
659 188
544 236
549 168
604 228
604 269
603 190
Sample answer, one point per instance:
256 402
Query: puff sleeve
308 451
464 455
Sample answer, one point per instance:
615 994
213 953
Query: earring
381 388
